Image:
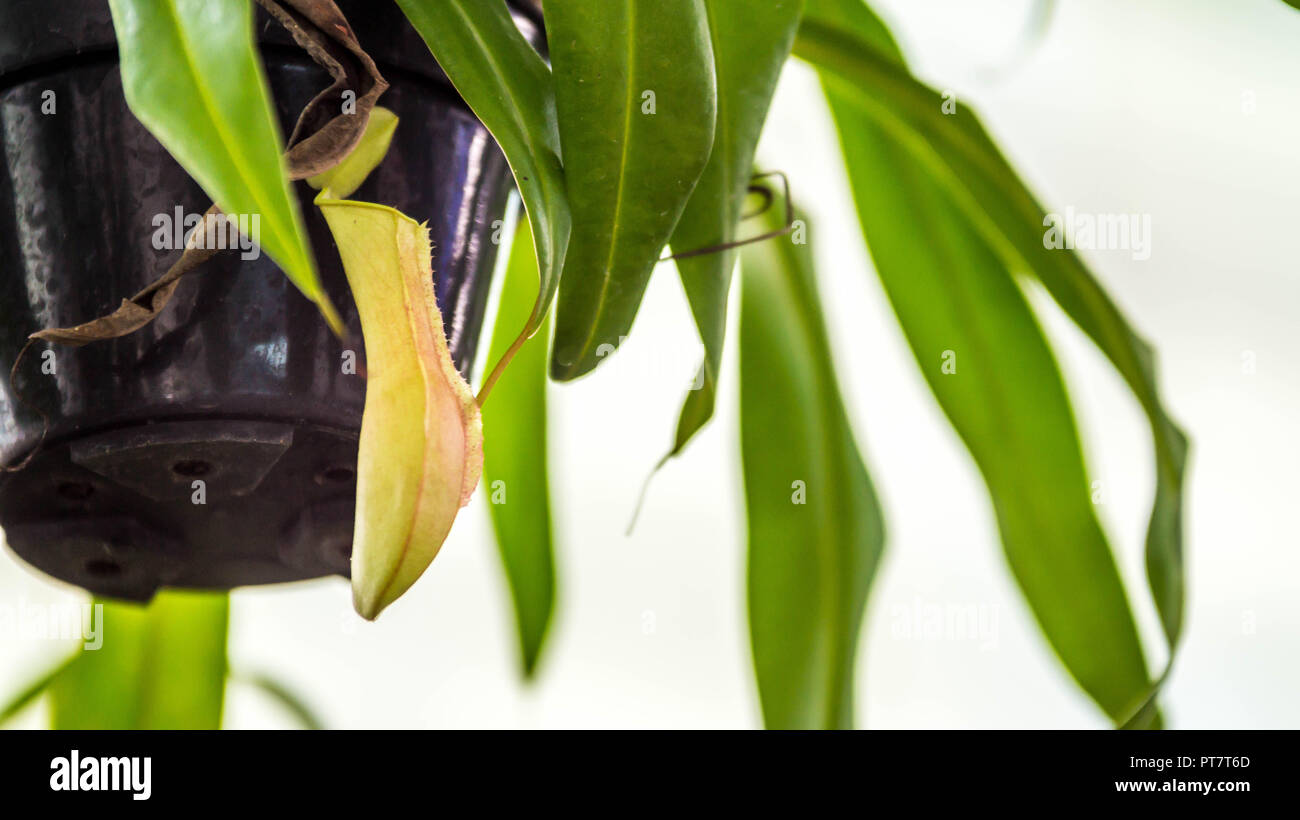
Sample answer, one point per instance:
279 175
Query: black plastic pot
238 384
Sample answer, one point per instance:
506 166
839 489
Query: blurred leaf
636 98
32 693
343 179
962 158
509 87
160 667
946 221
191 75
751 42
287 698
815 528
421 448
515 460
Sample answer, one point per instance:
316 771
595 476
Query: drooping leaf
963 314
751 42
509 87
191 75
815 528
964 160
634 85
292 702
946 259
420 452
31 693
515 460
160 667
960 155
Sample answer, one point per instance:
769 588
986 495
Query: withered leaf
326 132
142 308
331 125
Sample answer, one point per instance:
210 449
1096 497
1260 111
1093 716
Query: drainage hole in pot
76 490
102 568
192 468
338 474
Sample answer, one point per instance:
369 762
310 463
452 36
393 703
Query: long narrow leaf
635 91
510 88
815 527
192 76
751 42
291 701
955 151
31 693
985 358
515 460
160 667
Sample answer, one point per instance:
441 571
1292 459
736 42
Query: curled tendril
769 199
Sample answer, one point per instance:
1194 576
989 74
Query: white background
1126 106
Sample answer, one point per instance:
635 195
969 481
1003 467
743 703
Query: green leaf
515 461
192 76
958 307
160 667
634 84
960 155
947 222
509 88
32 693
286 697
751 42
816 531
